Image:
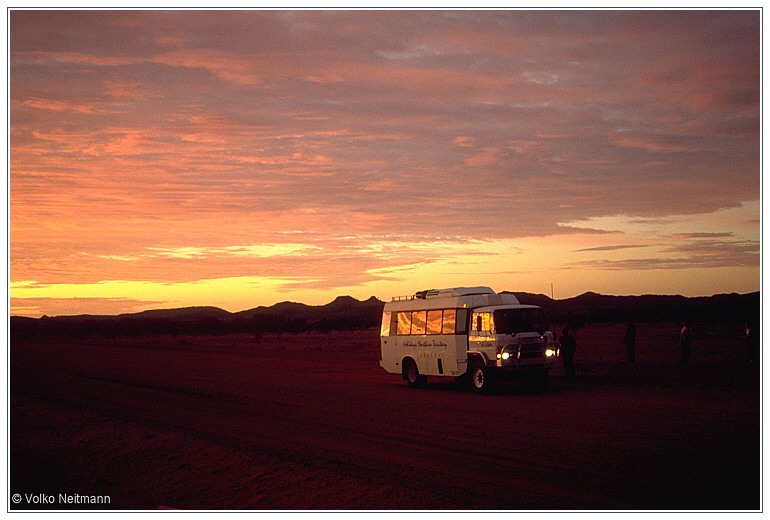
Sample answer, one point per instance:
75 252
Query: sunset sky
241 158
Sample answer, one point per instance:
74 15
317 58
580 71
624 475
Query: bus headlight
549 352
506 355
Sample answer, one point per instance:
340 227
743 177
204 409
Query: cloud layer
335 145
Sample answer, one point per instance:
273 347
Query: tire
481 378
412 375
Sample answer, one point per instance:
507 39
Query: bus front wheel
481 378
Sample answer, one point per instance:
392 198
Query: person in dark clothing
752 342
568 346
630 340
685 341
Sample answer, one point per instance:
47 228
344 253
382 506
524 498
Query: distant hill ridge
346 312
593 307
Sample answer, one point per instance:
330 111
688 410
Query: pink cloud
61 106
145 129
123 90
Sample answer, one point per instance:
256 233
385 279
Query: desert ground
311 422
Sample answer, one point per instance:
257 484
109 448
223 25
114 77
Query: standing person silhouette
630 340
685 342
568 348
752 341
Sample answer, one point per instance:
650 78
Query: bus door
481 337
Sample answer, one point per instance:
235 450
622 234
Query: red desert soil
311 422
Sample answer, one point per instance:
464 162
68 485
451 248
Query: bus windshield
513 321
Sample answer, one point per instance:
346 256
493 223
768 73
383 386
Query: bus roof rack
467 291
445 293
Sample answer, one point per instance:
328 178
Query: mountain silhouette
348 313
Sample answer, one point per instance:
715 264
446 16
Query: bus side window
434 322
461 321
418 322
482 322
393 323
489 324
404 323
385 328
448 325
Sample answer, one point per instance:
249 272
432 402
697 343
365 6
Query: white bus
466 332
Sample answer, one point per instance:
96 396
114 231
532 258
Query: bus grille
534 350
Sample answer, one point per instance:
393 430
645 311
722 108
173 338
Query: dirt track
193 425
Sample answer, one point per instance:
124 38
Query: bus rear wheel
412 375
481 378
